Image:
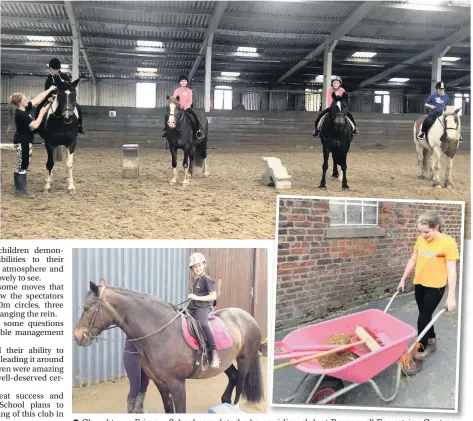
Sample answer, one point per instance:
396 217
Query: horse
60 127
156 330
442 137
180 135
336 134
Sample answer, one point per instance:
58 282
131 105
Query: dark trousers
136 376
202 315
429 121
195 121
427 301
349 115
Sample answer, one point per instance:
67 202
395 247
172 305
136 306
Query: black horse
180 135
60 128
336 134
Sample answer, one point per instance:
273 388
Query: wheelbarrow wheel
328 386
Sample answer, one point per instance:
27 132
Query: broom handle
320 354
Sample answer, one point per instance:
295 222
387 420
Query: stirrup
201 135
315 133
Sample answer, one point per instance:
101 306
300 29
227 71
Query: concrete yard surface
432 388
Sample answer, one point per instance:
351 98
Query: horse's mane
173 100
130 293
449 110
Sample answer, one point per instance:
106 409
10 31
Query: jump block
276 174
131 161
225 408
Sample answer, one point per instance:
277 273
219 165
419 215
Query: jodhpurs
136 376
427 301
429 121
202 315
24 151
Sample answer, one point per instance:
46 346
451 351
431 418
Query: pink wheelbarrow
324 385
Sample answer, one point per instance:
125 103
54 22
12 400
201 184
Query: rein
178 121
98 308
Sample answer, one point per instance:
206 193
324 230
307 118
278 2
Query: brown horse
165 356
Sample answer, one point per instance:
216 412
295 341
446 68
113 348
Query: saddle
195 338
319 126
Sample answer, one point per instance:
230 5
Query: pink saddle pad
222 336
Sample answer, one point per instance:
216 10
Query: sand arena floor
229 204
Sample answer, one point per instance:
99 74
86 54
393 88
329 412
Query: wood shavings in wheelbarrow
340 358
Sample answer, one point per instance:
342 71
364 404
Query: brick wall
318 276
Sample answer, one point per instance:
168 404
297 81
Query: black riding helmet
55 64
183 77
440 85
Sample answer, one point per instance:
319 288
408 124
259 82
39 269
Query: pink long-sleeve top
339 92
185 96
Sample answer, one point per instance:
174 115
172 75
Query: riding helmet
440 85
55 64
196 258
183 77
336 78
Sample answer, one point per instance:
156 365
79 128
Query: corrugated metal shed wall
160 272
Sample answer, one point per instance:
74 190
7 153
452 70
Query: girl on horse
436 104
336 87
55 72
185 101
19 108
435 262
202 296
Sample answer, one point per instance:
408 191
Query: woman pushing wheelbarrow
435 261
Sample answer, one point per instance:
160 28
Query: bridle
98 310
175 120
444 123
66 109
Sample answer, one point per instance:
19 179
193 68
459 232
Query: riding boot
215 359
356 132
316 132
130 406
140 399
20 186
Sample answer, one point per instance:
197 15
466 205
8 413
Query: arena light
231 74
381 92
319 79
142 43
399 79
363 54
247 49
224 87
40 38
450 59
65 66
147 69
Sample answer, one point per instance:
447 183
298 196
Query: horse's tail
253 385
200 153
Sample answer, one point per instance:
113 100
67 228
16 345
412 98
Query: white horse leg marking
206 168
448 174
70 158
47 185
436 167
420 158
186 177
174 176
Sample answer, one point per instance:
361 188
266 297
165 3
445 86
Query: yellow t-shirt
432 257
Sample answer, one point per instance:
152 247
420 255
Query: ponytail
14 101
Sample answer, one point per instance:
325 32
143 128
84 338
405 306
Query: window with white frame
146 95
344 212
223 98
313 98
458 101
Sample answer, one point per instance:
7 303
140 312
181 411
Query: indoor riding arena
260 72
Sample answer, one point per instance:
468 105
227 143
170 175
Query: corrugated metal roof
34 27
39 9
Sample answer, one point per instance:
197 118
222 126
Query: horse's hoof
437 186
72 192
449 185
335 177
206 174
322 187
172 182
47 190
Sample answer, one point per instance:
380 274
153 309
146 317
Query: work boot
140 399
413 367
130 406
431 346
20 185
215 359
